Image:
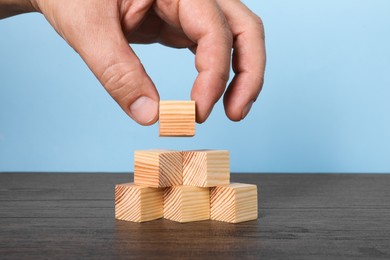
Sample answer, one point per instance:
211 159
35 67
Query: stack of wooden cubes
184 186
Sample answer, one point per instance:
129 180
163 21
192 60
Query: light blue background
324 107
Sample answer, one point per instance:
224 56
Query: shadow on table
195 239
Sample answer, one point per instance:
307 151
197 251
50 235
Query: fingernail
246 109
144 110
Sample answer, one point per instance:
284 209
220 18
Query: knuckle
258 20
259 25
120 81
223 77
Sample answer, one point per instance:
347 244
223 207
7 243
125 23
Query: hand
101 30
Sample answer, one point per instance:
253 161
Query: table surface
301 216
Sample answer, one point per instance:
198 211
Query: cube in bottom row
138 203
234 203
186 203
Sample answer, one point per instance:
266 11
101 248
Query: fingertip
238 101
238 114
201 116
202 108
238 111
232 114
206 95
228 101
246 109
144 110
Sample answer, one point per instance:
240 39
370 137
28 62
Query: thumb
125 79
107 53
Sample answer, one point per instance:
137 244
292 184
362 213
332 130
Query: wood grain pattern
186 203
234 203
206 168
138 203
158 168
177 118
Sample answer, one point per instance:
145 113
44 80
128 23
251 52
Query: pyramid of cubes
183 186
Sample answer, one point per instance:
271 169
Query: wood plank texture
234 203
186 203
138 203
177 118
158 168
206 168
301 216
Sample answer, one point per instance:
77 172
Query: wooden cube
177 118
138 203
186 203
234 203
158 168
206 168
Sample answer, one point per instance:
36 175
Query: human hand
100 31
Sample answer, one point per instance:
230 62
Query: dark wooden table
70 216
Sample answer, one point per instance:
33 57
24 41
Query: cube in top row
177 118
165 168
158 168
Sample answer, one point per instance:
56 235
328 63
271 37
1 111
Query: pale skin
100 32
